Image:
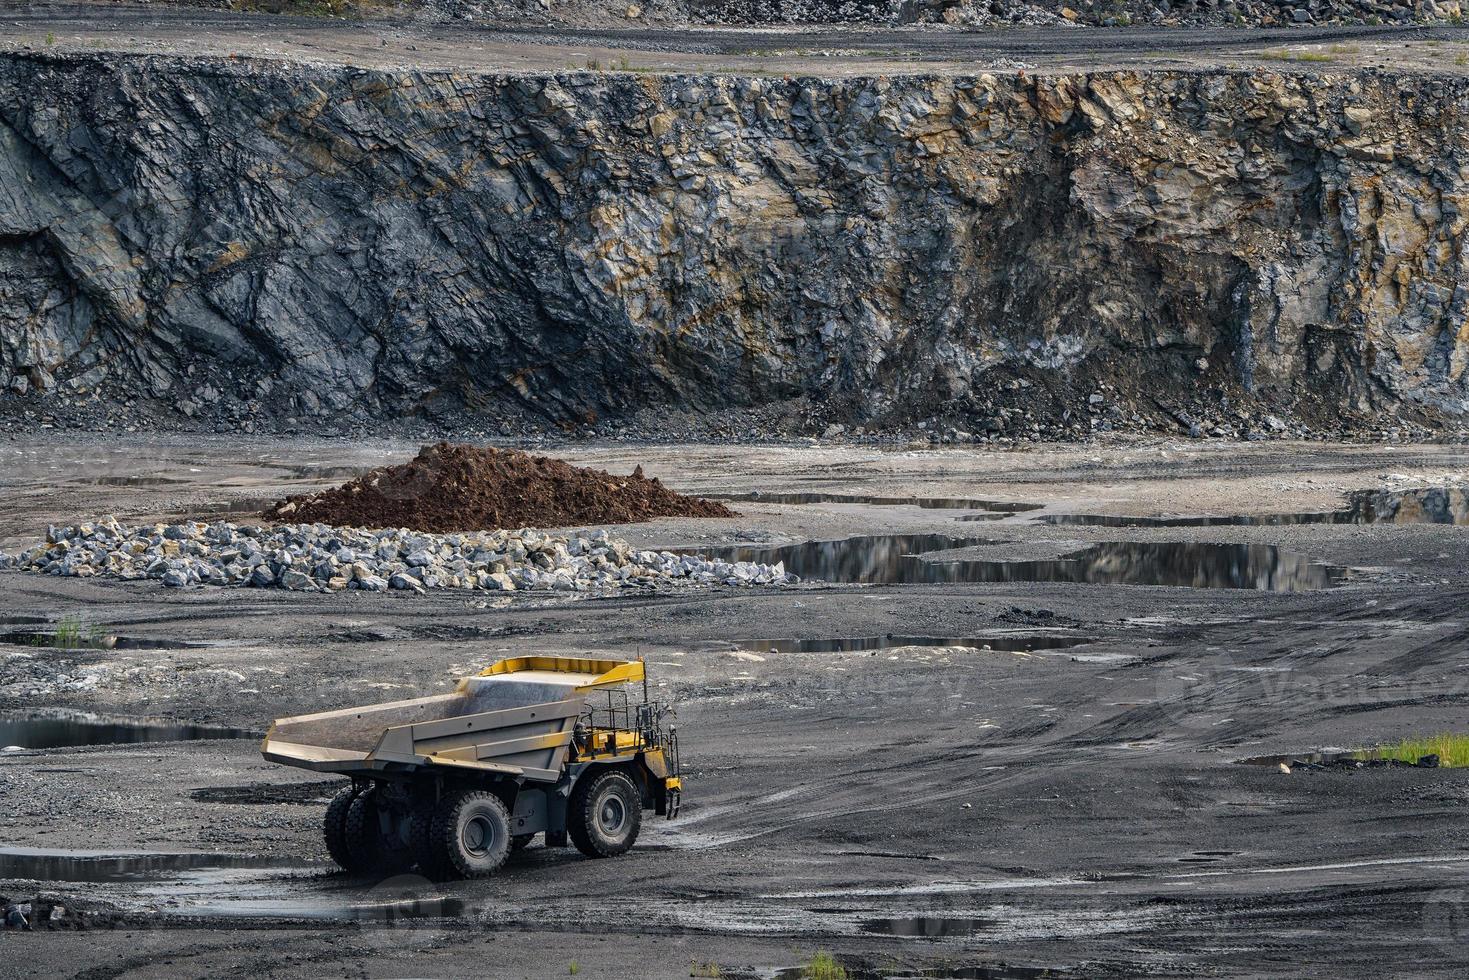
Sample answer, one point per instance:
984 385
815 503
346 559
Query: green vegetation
71 634
823 966
710 969
574 969
50 39
1452 750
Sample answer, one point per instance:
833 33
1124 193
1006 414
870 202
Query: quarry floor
1075 810
390 42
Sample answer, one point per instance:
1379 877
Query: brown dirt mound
465 488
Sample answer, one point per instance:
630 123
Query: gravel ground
1074 809
825 51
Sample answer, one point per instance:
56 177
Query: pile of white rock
320 557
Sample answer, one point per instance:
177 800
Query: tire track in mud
1260 672
851 791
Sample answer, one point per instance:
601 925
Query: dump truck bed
516 718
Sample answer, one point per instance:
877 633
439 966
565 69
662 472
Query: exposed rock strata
308 241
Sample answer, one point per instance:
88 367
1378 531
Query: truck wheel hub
479 836
612 814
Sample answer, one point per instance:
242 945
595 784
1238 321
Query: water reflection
928 503
902 559
99 866
1440 505
53 731
844 644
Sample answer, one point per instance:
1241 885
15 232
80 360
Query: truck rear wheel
433 862
373 835
334 830
472 831
604 814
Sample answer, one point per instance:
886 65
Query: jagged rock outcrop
303 240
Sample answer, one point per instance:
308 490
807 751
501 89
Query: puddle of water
927 503
844 644
133 481
64 730
104 866
91 639
1312 758
1334 759
1427 506
1263 568
997 971
894 559
1206 857
379 913
317 471
927 926
882 559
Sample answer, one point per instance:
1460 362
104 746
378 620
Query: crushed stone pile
322 558
449 487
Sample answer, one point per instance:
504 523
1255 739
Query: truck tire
371 848
334 829
433 861
604 814
472 830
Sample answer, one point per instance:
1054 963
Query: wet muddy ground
864 777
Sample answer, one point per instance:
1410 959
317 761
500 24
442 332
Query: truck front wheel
472 830
604 814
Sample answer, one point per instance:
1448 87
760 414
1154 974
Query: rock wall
287 240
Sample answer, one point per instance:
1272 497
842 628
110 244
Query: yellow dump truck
561 746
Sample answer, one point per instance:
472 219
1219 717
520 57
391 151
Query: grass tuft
72 634
823 966
1452 750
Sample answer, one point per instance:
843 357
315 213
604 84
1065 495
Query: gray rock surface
254 239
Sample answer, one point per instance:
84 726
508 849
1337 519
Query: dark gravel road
462 45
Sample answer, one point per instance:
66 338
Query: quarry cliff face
324 241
